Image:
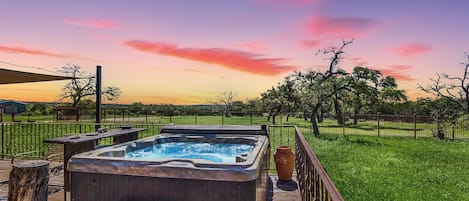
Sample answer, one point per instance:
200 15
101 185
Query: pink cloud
25 50
339 27
255 46
291 2
398 72
231 59
94 23
411 50
308 44
401 67
359 61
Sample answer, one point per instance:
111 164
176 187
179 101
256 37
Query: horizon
184 53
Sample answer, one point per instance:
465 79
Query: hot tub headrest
216 129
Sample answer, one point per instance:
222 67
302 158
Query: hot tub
181 163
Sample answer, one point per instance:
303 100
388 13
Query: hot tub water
214 152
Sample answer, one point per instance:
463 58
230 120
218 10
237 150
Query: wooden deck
277 191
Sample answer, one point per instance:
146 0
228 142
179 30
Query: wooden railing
313 181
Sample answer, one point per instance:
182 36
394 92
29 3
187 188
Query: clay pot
284 162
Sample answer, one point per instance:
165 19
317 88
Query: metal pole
343 124
415 125
377 118
146 116
98 97
3 141
452 126
222 119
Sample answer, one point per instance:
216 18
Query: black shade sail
13 76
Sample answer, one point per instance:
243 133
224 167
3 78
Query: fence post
377 118
3 140
146 116
415 125
222 119
452 127
343 124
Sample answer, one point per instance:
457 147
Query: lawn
395 168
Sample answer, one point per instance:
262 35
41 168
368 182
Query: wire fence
403 125
26 138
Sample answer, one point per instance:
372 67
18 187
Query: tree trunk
268 117
320 117
338 112
28 181
314 123
273 117
467 103
288 116
355 117
305 115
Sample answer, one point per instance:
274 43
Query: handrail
313 181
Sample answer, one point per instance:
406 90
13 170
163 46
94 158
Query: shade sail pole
98 97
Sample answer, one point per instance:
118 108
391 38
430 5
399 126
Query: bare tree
451 87
317 87
225 101
83 85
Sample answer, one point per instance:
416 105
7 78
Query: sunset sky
188 52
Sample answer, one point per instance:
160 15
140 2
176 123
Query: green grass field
395 168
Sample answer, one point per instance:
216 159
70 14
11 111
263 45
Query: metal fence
25 140
403 125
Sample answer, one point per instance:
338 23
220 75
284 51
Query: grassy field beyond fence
395 168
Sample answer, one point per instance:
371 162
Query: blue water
215 152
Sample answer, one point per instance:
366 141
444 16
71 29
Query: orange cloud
339 27
193 70
411 50
231 59
308 44
396 72
24 50
94 23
